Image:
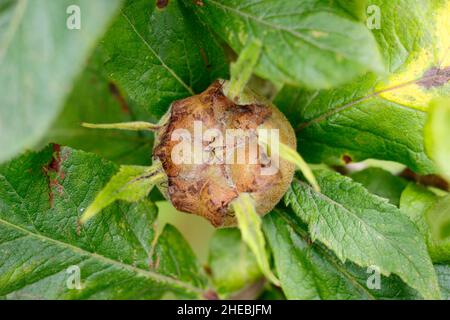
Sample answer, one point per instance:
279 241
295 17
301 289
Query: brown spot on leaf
161 4
53 172
207 270
78 228
347 159
119 97
435 77
205 59
199 3
211 295
56 161
158 259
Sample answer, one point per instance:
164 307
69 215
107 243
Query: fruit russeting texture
207 188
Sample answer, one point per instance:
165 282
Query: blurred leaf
42 196
424 208
437 133
356 8
272 293
382 183
197 230
310 271
364 229
233 265
161 55
380 117
415 201
96 99
443 273
311 43
172 256
439 220
40 58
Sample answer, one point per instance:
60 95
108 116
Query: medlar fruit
207 188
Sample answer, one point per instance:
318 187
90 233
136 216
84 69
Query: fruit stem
133 126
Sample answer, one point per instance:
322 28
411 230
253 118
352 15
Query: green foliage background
352 93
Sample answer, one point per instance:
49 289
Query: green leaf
249 223
40 58
272 293
42 196
161 55
443 273
356 8
426 209
380 117
131 183
439 220
415 201
172 256
364 229
233 266
310 43
310 271
437 131
95 98
382 183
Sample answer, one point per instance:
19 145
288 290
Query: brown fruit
207 189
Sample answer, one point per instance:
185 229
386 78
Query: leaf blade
233 265
159 56
379 117
428 211
95 98
293 33
381 183
347 219
53 57
310 271
437 130
40 236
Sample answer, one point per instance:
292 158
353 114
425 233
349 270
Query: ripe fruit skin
208 189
